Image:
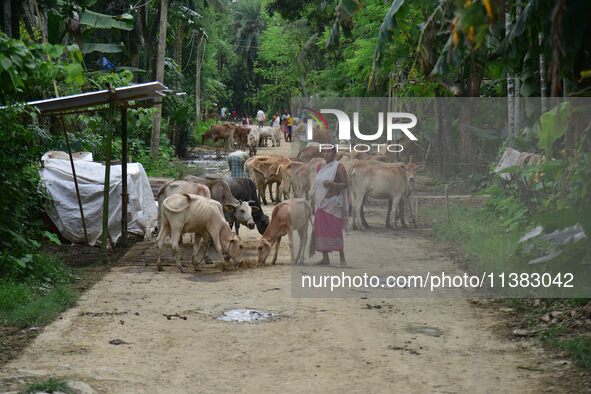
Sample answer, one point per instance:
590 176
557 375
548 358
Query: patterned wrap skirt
328 232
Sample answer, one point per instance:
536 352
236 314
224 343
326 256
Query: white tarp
512 157
56 177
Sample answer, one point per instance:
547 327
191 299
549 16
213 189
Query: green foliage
487 241
553 125
33 68
579 348
26 305
201 129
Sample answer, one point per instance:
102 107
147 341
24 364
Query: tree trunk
517 93
543 90
510 86
7 16
198 64
159 77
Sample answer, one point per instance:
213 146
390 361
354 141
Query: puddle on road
425 330
246 315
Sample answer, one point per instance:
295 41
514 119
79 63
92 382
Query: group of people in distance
283 121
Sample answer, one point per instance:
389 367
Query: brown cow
286 172
409 168
222 131
309 152
263 171
290 215
241 136
319 134
377 180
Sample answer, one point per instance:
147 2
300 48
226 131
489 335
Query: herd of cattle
252 137
211 205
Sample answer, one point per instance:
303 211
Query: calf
293 214
190 213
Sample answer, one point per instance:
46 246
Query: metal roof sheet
142 91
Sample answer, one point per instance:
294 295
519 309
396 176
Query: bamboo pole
107 147
75 180
124 195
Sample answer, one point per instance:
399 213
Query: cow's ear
420 167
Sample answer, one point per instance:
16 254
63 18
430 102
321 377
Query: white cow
190 213
253 141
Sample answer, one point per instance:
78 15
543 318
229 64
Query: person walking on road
284 117
261 117
289 127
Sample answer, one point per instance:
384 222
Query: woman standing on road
330 204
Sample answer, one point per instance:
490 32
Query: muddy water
209 162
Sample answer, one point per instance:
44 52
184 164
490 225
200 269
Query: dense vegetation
251 54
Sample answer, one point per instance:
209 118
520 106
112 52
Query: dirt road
171 342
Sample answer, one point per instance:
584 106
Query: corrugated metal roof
142 91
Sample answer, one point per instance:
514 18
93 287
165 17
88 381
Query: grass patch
578 348
490 246
487 243
25 305
50 385
36 294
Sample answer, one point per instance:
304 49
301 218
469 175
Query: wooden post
124 195
107 148
446 203
75 180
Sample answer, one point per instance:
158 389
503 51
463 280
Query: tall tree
159 77
249 25
198 65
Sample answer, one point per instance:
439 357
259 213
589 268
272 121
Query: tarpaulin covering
57 179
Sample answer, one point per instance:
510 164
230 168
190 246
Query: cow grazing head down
234 249
264 249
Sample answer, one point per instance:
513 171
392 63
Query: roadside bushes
552 199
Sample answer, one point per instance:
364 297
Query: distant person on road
284 117
261 117
223 113
275 121
330 204
246 120
289 127
234 116
236 161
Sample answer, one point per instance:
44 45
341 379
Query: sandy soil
174 344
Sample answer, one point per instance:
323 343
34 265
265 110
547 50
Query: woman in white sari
330 204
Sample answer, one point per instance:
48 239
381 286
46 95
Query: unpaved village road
316 345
